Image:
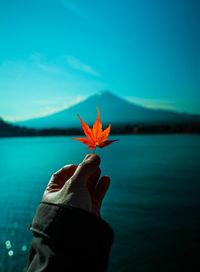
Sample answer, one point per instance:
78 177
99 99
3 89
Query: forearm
67 239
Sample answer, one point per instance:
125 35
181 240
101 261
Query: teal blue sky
54 53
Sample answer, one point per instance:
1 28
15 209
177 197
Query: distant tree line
10 130
187 128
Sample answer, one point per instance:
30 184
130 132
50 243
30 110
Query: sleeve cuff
76 230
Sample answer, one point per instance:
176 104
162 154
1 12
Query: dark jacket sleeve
67 238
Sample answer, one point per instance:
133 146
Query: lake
153 203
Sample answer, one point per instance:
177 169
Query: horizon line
133 100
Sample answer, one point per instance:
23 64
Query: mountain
113 109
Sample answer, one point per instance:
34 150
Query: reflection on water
152 204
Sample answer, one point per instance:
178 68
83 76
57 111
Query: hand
79 185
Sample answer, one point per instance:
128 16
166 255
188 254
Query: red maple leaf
95 136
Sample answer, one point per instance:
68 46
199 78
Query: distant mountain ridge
9 130
113 109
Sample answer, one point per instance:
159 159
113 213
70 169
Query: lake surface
153 203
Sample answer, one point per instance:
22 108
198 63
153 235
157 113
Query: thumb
86 169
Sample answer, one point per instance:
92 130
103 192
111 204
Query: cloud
78 65
153 103
50 69
27 92
60 101
166 107
36 57
70 5
38 60
58 104
48 107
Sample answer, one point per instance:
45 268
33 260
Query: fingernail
94 159
88 156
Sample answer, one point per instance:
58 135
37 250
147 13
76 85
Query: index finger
59 178
86 169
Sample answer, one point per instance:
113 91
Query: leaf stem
94 150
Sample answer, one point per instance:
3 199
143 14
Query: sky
55 53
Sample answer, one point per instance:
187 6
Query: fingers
101 189
59 178
86 169
92 181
